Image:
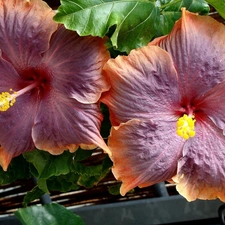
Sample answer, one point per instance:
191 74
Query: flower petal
76 64
15 132
5 158
197 46
212 104
9 78
62 123
144 152
201 171
144 85
25 31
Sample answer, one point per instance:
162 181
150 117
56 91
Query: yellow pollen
186 126
7 100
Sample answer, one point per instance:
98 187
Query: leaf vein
88 19
74 3
128 14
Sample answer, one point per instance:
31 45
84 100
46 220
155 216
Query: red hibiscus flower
50 83
168 113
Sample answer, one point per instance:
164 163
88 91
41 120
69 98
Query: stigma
186 127
7 100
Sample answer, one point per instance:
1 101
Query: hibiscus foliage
63 173
57 215
219 6
130 24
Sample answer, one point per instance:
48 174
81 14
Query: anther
186 126
7 100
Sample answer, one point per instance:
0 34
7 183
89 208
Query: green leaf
88 171
49 214
199 6
219 6
167 20
106 165
81 154
171 12
18 169
89 181
89 175
42 184
128 23
115 189
132 20
63 183
35 193
48 165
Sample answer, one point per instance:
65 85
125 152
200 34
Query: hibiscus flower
168 113
50 83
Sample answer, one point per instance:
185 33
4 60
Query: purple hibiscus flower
168 112
50 83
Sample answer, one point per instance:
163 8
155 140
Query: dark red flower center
42 76
35 80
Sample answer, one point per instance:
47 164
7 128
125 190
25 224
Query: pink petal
9 78
76 64
144 152
212 105
201 171
15 132
144 85
63 123
197 46
25 31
